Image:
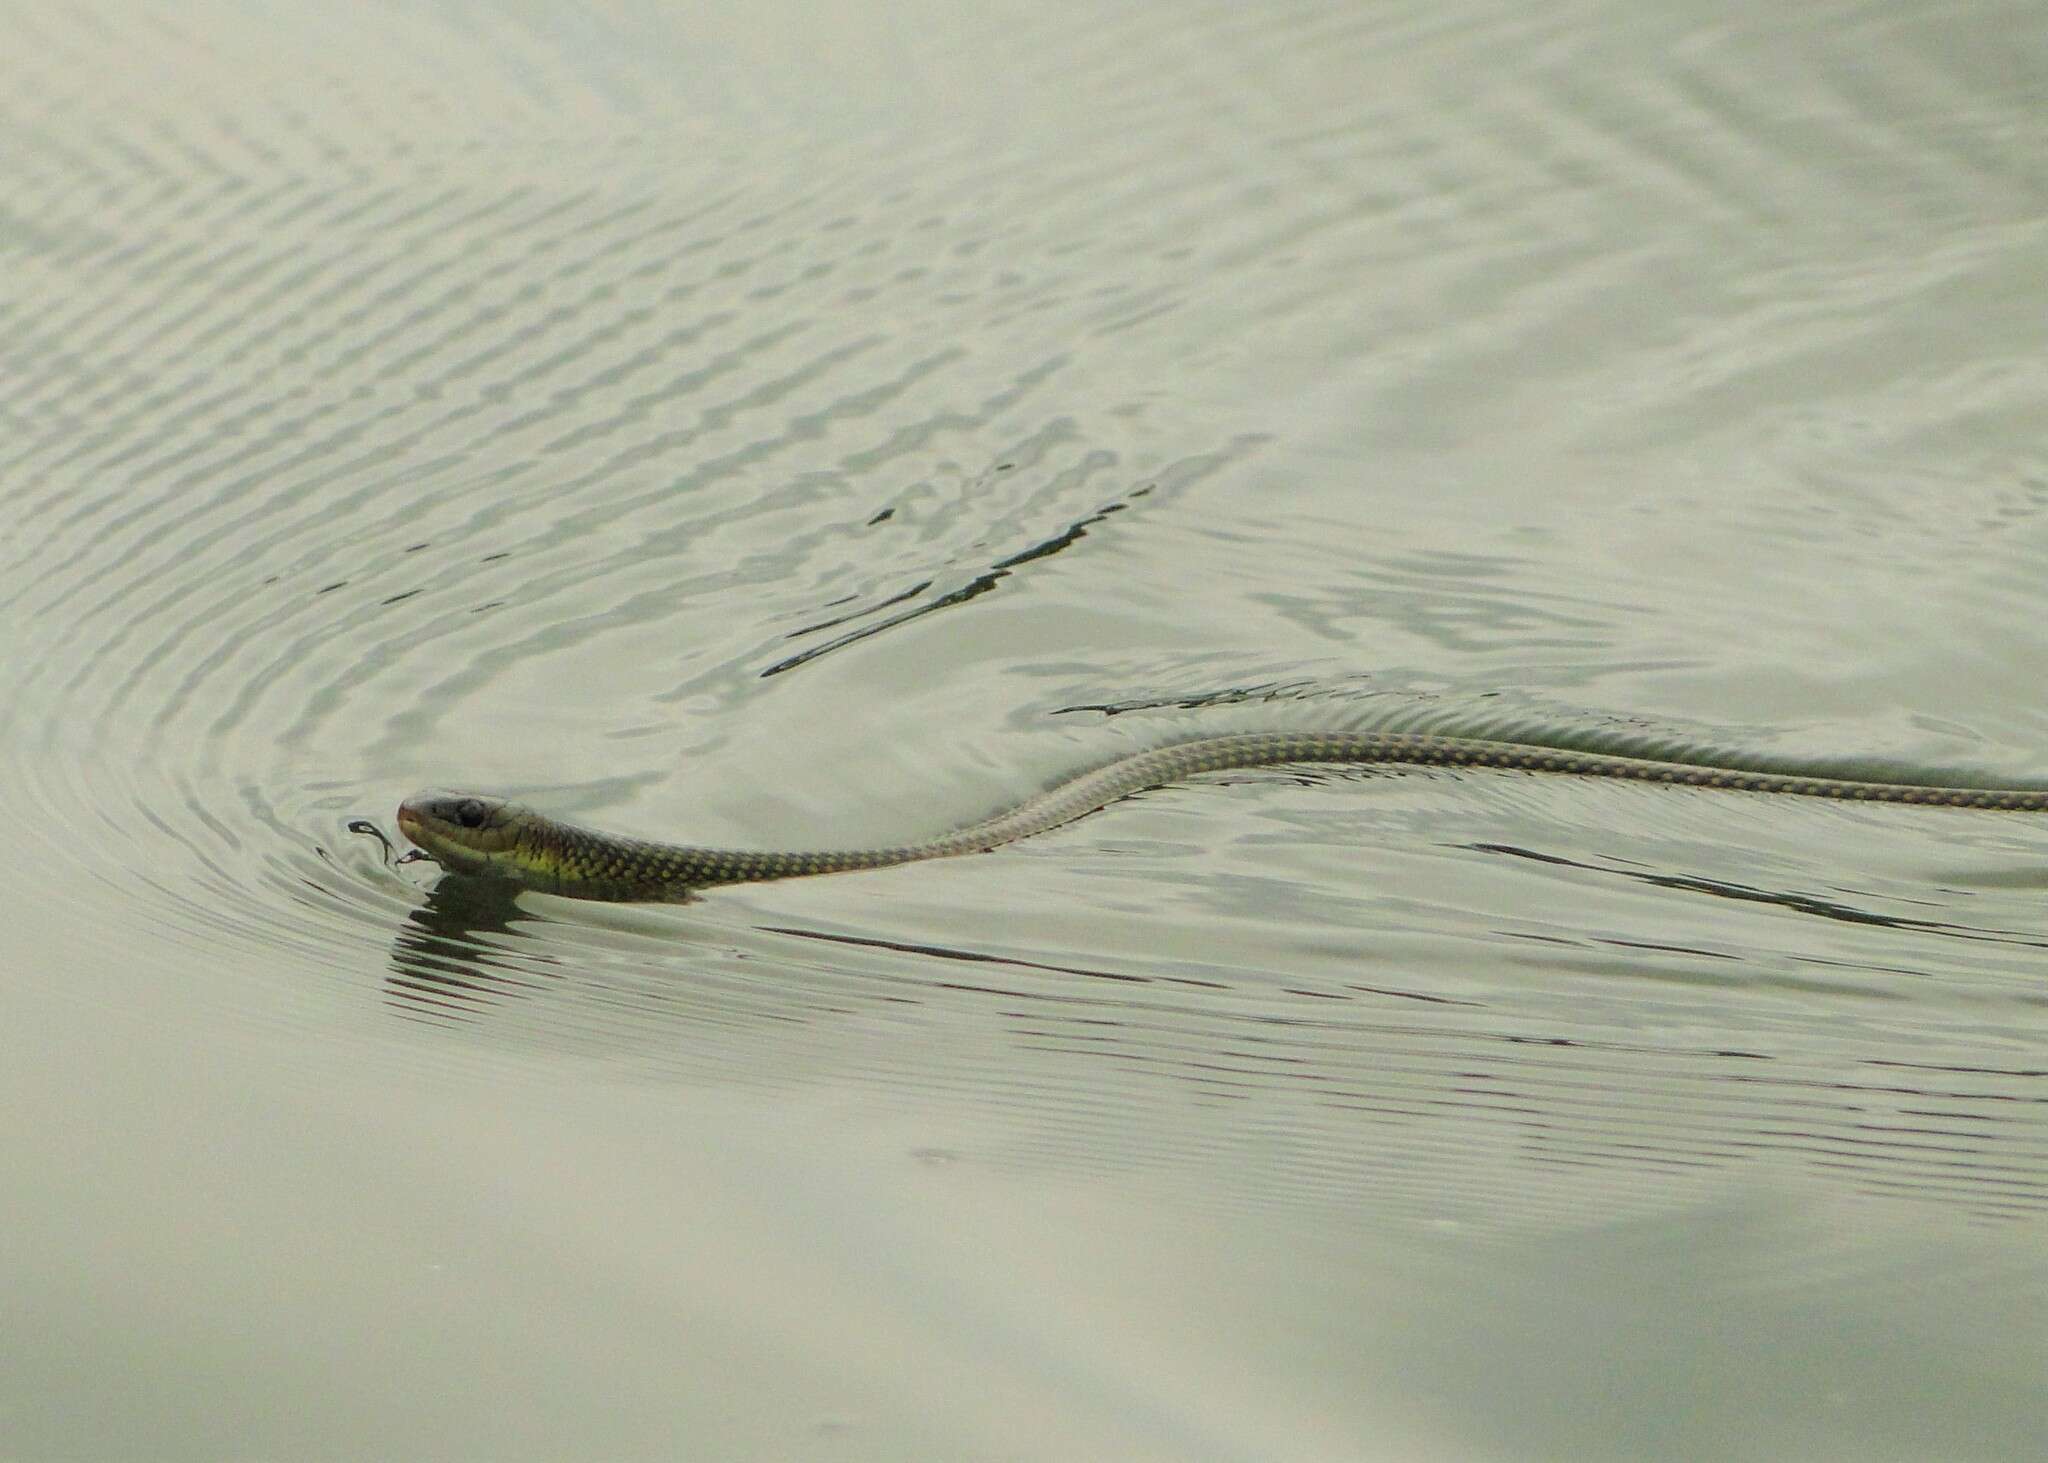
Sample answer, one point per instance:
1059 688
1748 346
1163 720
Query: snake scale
471 833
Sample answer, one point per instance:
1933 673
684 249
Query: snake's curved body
475 834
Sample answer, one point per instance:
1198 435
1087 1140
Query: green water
803 427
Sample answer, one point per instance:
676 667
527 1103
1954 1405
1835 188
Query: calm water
806 426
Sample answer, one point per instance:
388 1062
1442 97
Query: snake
495 838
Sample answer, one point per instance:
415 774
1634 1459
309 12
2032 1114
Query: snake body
476 834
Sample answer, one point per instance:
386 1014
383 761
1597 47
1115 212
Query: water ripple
768 461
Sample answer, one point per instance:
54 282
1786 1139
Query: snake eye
470 813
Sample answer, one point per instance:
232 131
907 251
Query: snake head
463 832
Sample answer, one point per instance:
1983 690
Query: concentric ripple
830 463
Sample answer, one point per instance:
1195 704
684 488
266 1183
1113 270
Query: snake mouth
412 825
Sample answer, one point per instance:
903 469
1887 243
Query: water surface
811 427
